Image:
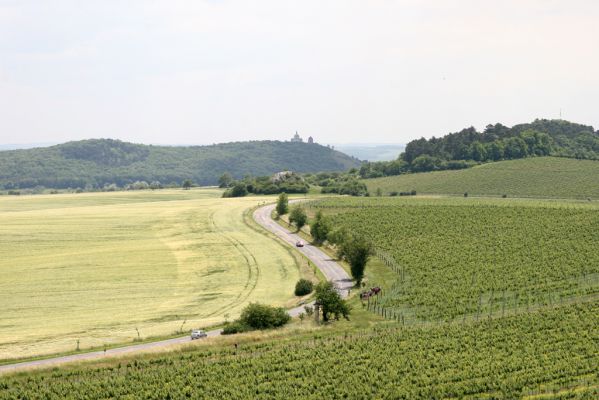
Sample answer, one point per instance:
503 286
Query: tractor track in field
252 266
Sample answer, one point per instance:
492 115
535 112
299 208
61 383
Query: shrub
466 194
260 316
303 287
235 327
393 194
309 310
504 196
238 190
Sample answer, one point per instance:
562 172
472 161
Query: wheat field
106 268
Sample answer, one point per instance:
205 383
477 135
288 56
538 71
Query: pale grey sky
343 71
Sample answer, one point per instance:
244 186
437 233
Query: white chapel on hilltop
298 139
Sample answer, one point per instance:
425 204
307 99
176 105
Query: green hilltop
496 142
553 177
99 162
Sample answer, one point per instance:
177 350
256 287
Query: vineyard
553 352
467 258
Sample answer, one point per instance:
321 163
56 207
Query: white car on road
198 334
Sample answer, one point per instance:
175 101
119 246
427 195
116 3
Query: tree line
350 246
496 142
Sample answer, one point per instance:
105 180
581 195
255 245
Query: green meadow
528 177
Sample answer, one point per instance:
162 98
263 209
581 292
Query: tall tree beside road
331 302
357 251
298 217
282 204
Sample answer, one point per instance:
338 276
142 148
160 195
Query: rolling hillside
98 162
536 177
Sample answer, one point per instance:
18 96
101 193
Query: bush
238 190
234 327
465 194
411 193
303 287
260 316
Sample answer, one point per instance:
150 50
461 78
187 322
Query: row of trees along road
356 250
331 302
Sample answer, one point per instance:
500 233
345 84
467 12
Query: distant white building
296 138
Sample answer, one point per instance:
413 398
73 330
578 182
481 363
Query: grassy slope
530 177
96 266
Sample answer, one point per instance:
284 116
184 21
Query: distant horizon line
33 145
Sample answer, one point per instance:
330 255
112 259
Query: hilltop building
296 138
310 140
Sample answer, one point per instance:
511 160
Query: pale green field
95 267
550 177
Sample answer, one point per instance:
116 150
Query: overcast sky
193 72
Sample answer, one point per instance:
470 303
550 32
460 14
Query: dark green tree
495 150
238 190
331 302
338 237
298 217
357 251
303 287
187 184
225 180
516 147
282 204
320 228
478 151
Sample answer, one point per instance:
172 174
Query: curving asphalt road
330 269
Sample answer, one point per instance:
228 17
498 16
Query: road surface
330 269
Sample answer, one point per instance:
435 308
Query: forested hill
496 142
540 137
99 162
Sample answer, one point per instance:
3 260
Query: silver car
198 334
